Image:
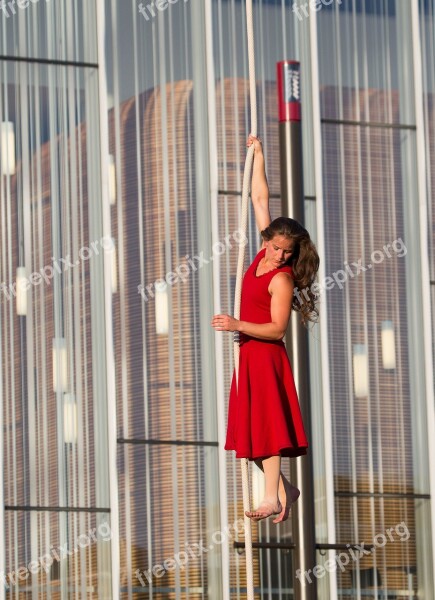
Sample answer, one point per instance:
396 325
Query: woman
264 418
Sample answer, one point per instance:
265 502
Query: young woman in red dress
264 418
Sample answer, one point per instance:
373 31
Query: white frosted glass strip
102 369
141 189
26 228
34 248
423 467
7 342
60 365
114 263
7 155
388 345
238 24
360 371
162 309
339 59
217 273
21 290
111 497
122 333
221 79
367 68
74 306
167 136
259 17
112 180
67 169
70 419
284 30
56 249
176 373
314 32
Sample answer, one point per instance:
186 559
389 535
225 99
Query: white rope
238 291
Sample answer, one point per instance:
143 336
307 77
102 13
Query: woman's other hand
224 323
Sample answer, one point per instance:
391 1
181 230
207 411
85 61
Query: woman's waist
245 338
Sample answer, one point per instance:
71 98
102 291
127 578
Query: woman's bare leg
270 504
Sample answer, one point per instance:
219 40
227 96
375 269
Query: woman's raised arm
259 186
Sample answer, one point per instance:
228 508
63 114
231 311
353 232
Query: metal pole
292 199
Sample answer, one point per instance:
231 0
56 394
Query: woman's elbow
281 329
280 333
261 200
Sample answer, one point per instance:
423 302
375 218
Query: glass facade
123 129
55 496
369 130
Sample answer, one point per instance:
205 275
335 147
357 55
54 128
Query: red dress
264 417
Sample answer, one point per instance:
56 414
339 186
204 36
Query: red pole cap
289 98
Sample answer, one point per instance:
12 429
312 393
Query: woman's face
278 250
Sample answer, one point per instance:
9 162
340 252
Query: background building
122 149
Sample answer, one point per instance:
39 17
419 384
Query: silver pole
292 201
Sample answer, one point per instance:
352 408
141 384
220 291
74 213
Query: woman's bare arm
259 186
281 288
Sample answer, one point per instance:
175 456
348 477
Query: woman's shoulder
287 269
283 273
284 270
281 280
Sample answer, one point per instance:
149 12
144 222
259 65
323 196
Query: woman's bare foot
266 509
288 494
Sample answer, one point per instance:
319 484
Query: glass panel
162 305
52 381
53 555
155 308
369 192
382 561
276 571
48 30
167 543
377 390
274 41
365 50
427 30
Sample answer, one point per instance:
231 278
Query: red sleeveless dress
264 417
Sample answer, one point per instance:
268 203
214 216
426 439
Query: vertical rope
238 291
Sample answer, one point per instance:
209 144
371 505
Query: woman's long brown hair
304 262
